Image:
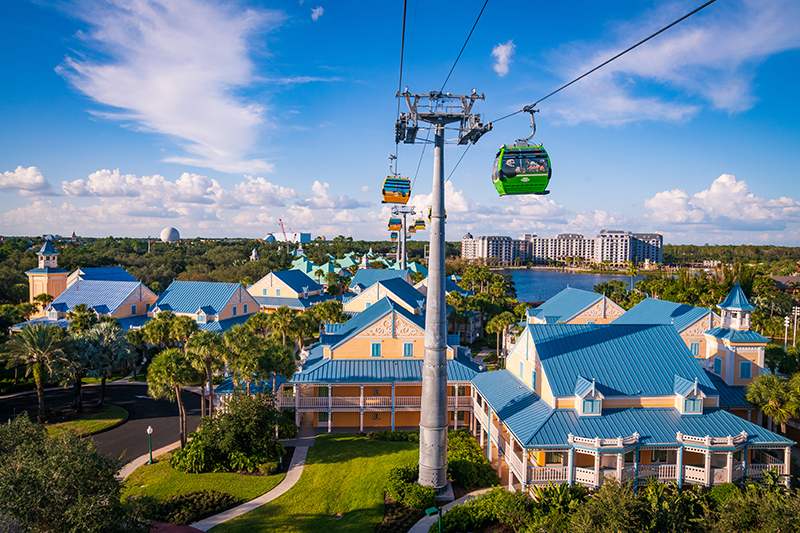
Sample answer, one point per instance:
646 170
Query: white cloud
322 198
303 80
317 12
259 191
24 179
726 205
711 57
502 54
455 200
188 188
176 67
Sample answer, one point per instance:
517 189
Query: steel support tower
438 110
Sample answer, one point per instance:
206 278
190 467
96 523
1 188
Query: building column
636 467
455 407
597 469
787 462
361 409
745 462
620 464
679 467
392 406
708 467
729 467
571 466
296 392
524 479
330 410
481 434
489 437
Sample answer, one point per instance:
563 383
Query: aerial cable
480 14
458 162
530 107
400 80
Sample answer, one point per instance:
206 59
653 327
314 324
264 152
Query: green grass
341 488
161 481
91 422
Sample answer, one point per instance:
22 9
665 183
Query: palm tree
282 323
81 319
113 351
169 371
259 323
305 326
38 347
242 351
777 397
158 331
329 312
181 329
499 325
205 355
42 300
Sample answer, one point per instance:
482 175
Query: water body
539 285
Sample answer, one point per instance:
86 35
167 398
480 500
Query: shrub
394 436
401 486
512 509
466 464
184 508
241 439
720 494
612 507
759 508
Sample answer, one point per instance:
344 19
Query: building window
718 366
244 309
693 405
591 407
263 292
408 349
695 349
521 370
376 349
234 310
533 379
133 309
323 416
745 370
277 292
553 458
658 456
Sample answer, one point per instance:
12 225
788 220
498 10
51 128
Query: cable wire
400 80
458 162
609 60
480 14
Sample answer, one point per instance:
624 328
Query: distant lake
539 285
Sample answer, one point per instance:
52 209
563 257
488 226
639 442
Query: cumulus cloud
502 54
188 188
455 200
317 12
176 67
711 58
726 205
24 179
260 191
322 198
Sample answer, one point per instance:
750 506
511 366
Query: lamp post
430 511
785 331
150 443
796 315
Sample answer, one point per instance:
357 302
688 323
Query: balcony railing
513 460
694 474
660 472
586 476
547 474
756 471
370 402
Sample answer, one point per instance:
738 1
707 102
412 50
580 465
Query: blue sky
220 117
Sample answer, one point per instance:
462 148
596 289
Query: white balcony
542 475
354 403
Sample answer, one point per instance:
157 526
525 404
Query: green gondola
522 169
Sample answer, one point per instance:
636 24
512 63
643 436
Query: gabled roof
221 326
655 311
107 273
297 280
584 387
565 305
631 360
292 303
404 291
450 285
105 297
736 300
48 248
686 387
737 336
336 333
365 277
189 296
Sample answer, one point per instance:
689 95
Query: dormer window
693 406
688 396
201 318
592 407
588 399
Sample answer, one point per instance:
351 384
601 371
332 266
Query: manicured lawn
92 422
160 481
341 488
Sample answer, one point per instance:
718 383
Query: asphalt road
129 440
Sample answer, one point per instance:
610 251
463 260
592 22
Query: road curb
130 467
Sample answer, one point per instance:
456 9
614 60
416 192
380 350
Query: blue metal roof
450 285
297 280
189 296
736 300
632 360
133 322
107 273
61 322
565 305
103 296
655 311
322 370
583 386
730 396
683 386
735 335
45 270
404 290
221 326
365 277
48 248
336 333
656 426
291 303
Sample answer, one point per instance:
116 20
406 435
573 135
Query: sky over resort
221 117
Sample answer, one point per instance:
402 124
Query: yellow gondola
419 225
396 190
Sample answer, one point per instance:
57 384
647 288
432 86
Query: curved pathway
424 524
292 477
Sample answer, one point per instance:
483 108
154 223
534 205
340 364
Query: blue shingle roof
624 359
109 273
565 305
103 296
656 426
321 370
735 335
365 277
336 333
297 280
736 300
655 311
292 303
189 296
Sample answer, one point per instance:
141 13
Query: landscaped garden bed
92 420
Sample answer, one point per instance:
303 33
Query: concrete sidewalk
292 477
425 524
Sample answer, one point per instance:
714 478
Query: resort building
365 277
366 374
396 289
579 403
215 306
47 278
575 306
488 248
287 288
105 273
690 322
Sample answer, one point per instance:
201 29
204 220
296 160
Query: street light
785 331
430 511
796 315
150 443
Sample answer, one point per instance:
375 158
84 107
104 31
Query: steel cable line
458 162
607 61
463 46
400 77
